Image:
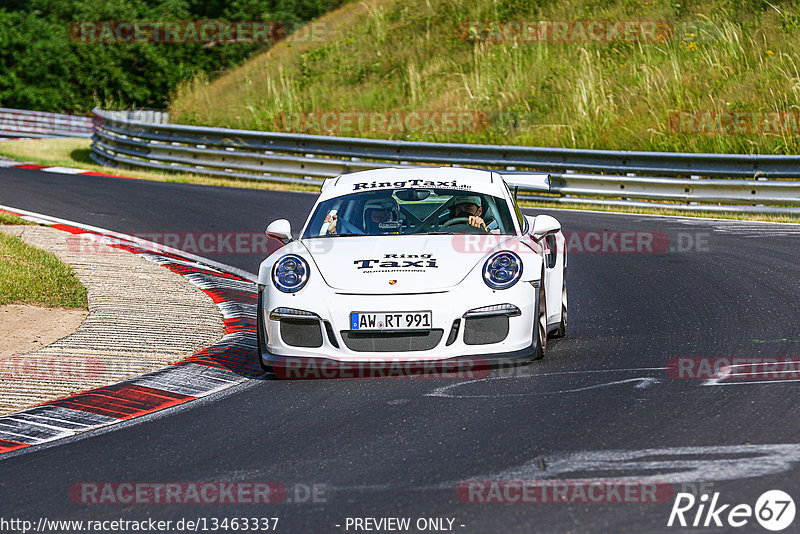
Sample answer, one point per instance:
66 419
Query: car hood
399 264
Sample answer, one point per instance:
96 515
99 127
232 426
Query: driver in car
468 207
376 212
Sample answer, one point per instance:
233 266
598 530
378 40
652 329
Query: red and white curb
12 164
228 362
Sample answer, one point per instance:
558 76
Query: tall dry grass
381 55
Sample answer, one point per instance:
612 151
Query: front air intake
391 341
305 333
485 330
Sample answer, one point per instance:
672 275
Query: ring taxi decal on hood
449 184
409 262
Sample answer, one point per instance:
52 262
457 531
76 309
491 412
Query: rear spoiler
527 181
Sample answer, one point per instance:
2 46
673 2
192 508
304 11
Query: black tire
540 330
562 326
260 329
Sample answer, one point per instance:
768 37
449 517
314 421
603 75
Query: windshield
410 211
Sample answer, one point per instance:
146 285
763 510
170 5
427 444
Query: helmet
384 204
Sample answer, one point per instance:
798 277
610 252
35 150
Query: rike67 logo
774 510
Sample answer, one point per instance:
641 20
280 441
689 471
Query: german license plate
419 320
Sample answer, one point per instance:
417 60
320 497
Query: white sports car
413 265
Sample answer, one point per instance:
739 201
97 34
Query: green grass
7 218
383 55
32 276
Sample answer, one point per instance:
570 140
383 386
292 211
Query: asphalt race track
601 406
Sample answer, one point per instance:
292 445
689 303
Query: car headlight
502 270
290 273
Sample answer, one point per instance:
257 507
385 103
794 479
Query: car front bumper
338 343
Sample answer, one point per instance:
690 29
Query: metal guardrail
296 158
22 123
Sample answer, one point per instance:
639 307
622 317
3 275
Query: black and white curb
228 362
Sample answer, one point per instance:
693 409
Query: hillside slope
725 62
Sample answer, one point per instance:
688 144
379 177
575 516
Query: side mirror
544 225
281 230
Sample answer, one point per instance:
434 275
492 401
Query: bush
42 69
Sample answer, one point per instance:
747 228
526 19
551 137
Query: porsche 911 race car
413 265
